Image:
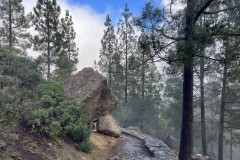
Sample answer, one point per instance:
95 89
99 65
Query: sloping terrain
22 145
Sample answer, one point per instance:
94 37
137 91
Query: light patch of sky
176 5
88 25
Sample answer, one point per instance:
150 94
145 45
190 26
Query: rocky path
138 146
132 149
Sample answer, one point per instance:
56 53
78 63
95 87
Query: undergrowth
25 97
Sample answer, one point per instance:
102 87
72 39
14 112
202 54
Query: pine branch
223 10
200 12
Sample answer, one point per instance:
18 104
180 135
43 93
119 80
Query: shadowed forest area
175 71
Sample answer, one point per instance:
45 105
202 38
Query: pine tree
127 43
13 34
108 50
68 54
46 22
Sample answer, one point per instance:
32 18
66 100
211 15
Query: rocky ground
131 148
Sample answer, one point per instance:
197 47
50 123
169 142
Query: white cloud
88 25
176 5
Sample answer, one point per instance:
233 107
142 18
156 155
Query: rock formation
172 143
108 126
90 87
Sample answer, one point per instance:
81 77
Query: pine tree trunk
10 27
222 110
202 99
110 73
48 49
48 54
48 62
143 92
231 140
187 112
126 66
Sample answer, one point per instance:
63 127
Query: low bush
85 146
19 78
80 133
58 116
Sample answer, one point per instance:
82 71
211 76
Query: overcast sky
88 17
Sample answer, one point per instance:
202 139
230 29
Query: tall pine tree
46 22
108 50
13 34
127 42
68 55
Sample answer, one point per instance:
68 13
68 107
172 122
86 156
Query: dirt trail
131 149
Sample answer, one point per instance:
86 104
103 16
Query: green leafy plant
48 101
80 133
85 146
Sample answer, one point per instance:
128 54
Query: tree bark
126 58
187 112
10 27
202 99
110 73
231 140
222 110
48 48
143 91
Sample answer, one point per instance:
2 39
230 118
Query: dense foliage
18 80
26 98
58 116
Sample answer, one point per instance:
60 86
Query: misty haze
119 80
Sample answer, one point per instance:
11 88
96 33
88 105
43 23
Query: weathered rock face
172 143
90 87
108 126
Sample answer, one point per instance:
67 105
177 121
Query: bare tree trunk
231 140
126 58
143 91
10 27
110 74
202 99
48 62
187 112
48 51
222 110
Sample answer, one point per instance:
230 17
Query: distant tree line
54 37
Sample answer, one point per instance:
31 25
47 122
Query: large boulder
108 126
90 87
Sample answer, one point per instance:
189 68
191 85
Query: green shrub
51 93
47 101
51 129
70 112
68 117
58 115
22 68
19 80
85 146
52 88
80 133
41 121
